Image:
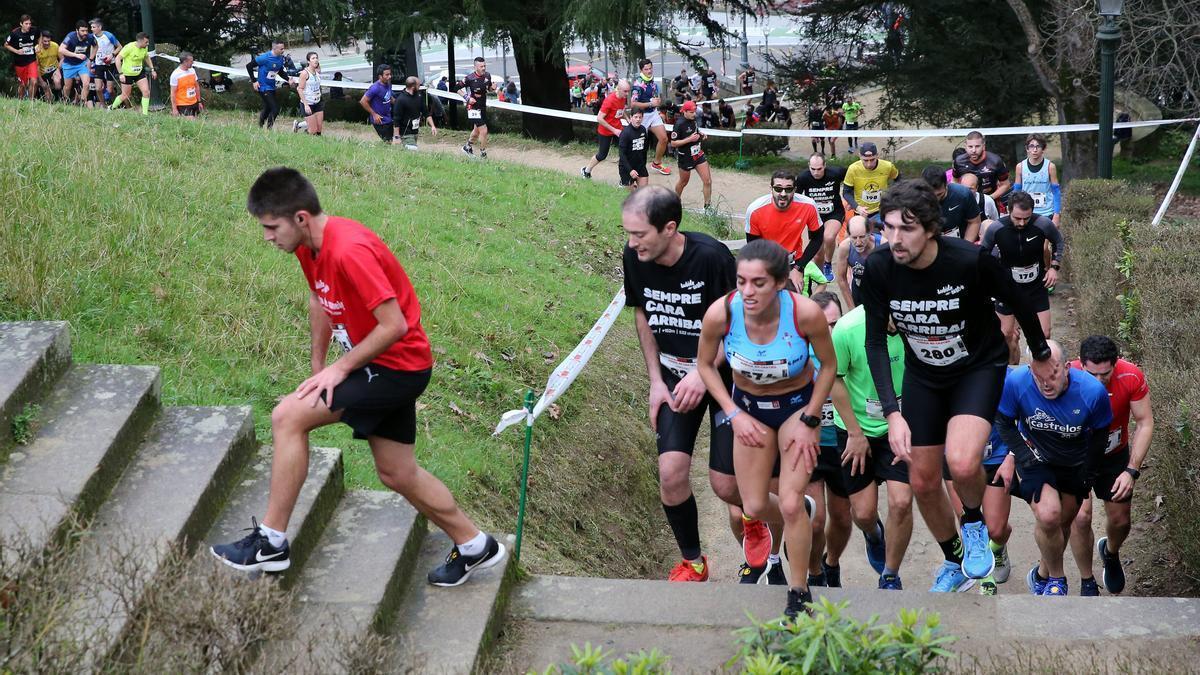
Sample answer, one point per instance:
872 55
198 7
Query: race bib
1039 199
760 371
27 51
938 351
46 70
870 196
220 88
135 70
191 92
474 114
816 126
953 232
1114 440
1025 275
696 151
827 414
416 123
341 337
824 207
678 366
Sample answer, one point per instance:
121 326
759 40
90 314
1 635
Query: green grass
136 232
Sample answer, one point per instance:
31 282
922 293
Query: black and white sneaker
254 552
798 602
584 172
482 154
458 567
468 150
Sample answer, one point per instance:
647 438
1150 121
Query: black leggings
270 109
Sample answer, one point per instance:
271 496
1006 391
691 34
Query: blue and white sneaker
890 582
1055 586
1036 585
950 579
827 270
978 560
254 552
877 552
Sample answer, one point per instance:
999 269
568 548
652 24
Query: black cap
867 148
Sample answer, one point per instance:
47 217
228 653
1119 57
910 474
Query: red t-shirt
612 105
1127 384
787 227
352 275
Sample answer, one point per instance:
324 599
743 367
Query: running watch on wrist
1133 472
812 422
1055 266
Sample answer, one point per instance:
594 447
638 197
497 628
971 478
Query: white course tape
1187 159
569 369
787 133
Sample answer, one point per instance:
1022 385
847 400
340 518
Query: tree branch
1034 38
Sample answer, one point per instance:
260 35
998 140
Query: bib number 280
938 351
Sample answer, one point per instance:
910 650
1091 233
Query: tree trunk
543 70
1079 150
67 12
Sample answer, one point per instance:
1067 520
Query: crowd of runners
868 333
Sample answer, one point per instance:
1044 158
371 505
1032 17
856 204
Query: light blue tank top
783 358
1038 186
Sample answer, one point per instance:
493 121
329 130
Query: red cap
688 105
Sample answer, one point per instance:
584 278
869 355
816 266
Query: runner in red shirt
608 124
784 217
1114 478
362 301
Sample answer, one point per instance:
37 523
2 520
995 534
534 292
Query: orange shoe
689 571
756 542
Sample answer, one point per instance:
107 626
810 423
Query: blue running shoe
1113 575
827 270
890 582
877 552
978 560
1088 588
1055 586
950 579
1036 585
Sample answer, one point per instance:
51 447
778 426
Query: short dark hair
48 34
658 204
383 68
825 299
277 41
141 36
1041 139
642 63
1099 349
958 152
480 59
975 136
774 257
281 192
81 24
935 176
915 201
1020 199
24 18
783 174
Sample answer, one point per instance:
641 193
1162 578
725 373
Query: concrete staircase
89 452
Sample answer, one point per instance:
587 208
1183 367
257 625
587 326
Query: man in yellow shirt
132 63
48 60
866 180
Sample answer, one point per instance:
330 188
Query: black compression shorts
1037 297
384 131
378 401
1110 467
603 145
928 408
132 79
678 431
994 479
879 465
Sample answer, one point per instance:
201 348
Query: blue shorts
773 410
76 70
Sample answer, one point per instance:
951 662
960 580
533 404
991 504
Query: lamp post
745 45
148 29
1108 36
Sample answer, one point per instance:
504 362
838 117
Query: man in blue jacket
262 72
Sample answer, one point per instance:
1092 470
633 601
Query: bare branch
1034 38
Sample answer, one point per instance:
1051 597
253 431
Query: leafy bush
831 642
589 660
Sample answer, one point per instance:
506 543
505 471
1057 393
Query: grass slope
136 232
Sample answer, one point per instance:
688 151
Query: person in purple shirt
377 101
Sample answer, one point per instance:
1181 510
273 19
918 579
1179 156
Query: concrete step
319 497
166 499
360 570
692 623
33 355
89 428
449 630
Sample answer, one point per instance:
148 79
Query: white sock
773 559
276 537
475 546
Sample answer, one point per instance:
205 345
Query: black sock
685 524
972 514
952 549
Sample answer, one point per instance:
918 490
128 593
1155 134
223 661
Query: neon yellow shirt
869 184
133 58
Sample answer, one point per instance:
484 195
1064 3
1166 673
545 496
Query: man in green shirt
851 109
133 62
867 458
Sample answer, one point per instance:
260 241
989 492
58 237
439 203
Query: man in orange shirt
609 124
185 88
783 217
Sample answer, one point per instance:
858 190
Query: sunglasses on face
779 189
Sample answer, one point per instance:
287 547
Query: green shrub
589 660
831 642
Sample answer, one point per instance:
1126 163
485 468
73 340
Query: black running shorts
928 408
829 469
678 431
384 131
1068 480
132 79
1036 295
1110 467
317 107
879 465
378 401
192 110
687 162
994 479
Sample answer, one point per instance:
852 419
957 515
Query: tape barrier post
524 473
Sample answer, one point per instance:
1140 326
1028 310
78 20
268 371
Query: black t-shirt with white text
825 191
24 43
631 145
675 298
